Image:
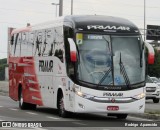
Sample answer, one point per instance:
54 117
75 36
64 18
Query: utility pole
144 20
71 7
60 7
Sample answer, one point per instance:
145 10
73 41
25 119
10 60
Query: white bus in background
79 64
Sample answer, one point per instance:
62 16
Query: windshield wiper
110 69
105 75
123 72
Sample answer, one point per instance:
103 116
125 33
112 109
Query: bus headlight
84 95
139 96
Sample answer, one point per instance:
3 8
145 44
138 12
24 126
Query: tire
32 106
122 116
23 105
61 110
156 100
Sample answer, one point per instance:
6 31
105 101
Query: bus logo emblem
113 100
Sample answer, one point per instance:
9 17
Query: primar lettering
46 65
113 94
108 27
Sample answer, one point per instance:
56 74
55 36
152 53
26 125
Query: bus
80 64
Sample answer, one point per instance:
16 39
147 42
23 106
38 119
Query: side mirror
150 53
73 50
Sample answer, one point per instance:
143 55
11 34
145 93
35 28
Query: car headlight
140 96
158 87
84 95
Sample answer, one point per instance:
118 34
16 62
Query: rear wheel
122 116
156 100
61 108
23 105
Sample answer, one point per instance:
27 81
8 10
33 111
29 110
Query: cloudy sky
16 13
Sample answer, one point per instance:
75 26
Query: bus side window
24 44
68 33
30 43
12 45
17 45
12 40
58 44
47 46
38 43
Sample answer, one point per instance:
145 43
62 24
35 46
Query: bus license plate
113 108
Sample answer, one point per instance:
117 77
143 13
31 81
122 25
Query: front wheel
61 108
122 116
156 100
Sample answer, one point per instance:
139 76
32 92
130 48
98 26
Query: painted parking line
78 123
13 109
51 117
141 119
31 113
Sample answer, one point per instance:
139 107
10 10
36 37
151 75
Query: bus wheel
61 109
22 104
31 106
122 116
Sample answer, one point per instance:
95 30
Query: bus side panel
50 62
43 54
22 73
15 76
31 88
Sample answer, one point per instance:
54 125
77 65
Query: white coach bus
79 64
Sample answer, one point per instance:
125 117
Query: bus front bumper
83 105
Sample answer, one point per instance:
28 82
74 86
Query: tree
3 64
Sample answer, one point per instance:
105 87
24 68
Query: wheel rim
21 99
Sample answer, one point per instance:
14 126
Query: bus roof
100 23
88 23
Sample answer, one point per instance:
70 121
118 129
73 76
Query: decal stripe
32 82
32 89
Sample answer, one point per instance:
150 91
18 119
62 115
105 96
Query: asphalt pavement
9 111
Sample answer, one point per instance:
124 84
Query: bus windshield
109 60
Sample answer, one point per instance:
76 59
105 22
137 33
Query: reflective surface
110 60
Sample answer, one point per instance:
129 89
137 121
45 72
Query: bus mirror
150 53
73 50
